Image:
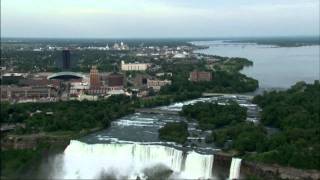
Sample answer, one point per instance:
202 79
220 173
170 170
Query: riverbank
270 64
249 168
261 171
20 153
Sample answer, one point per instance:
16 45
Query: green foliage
227 123
296 113
245 136
14 160
211 116
79 115
176 132
67 115
224 81
234 64
20 55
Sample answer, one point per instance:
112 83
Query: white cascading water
198 166
87 161
235 168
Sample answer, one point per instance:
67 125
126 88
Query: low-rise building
16 93
134 66
11 78
157 84
197 76
77 88
164 74
115 81
140 81
97 91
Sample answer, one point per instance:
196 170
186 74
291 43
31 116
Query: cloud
110 18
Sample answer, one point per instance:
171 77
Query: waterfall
87 161
198 166
235 168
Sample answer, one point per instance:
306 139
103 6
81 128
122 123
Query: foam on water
235 168
87 161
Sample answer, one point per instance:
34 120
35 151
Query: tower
66 59
95 82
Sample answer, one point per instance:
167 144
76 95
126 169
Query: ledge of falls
88 161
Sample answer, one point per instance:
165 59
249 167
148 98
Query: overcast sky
158 18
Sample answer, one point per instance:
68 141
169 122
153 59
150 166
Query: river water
130 148
274 67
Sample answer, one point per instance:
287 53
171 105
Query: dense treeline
20 54
211 116
296 114
226 77
293 116
227 122
283 41
85 42
51 61
174 131
13 161
79 115
66 116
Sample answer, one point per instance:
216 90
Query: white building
179 56
134 66
77 88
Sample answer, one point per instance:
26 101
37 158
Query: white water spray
235 168
87 161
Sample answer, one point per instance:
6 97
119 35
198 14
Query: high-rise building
66 63
95 81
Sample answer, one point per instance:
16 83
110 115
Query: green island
292 114
175 131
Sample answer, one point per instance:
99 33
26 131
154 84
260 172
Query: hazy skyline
158 18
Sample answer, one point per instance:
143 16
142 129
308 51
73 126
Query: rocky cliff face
277 172
30 141
264 171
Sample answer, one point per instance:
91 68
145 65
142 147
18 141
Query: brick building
115 81
95 81
196 76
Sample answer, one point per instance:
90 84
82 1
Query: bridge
156 111
226 94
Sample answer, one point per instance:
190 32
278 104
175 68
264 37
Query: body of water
131 149
274 67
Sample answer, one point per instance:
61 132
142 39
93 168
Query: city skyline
158 19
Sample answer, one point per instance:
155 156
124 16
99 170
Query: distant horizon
173 37
158 18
